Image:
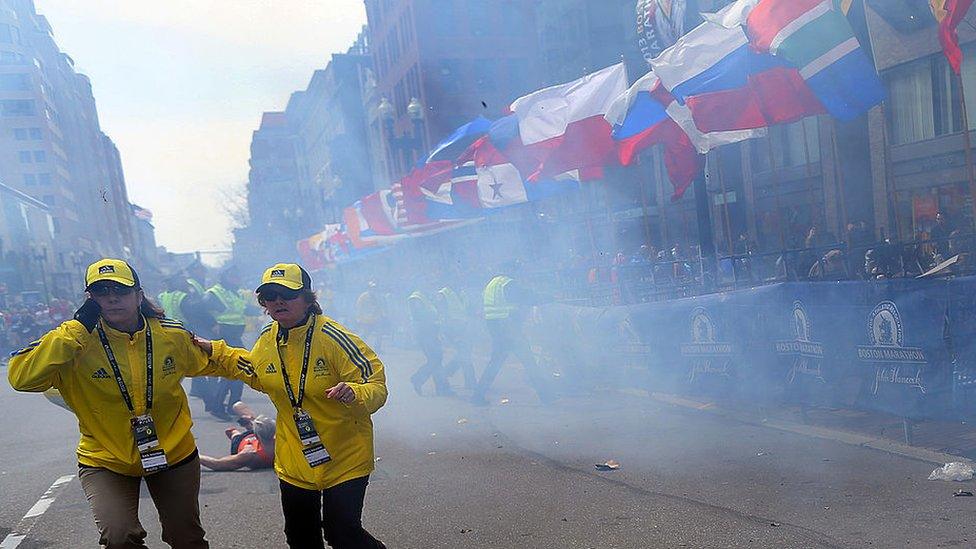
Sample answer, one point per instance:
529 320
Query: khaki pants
114 500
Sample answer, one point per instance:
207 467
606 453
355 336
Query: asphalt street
518 475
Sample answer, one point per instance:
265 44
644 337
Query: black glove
88 313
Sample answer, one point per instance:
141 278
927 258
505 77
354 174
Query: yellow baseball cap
113 270
288 275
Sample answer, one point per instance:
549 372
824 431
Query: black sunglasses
102 290
273 295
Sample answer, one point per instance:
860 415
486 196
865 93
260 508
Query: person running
454 326
426 327
251 448
118 366
506 304
325 383
371 315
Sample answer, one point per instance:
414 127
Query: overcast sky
181 84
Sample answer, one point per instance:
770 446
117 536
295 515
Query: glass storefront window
789 148
916 209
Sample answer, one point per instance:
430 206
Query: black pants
334 515
433 367
507 337
458 338
225 392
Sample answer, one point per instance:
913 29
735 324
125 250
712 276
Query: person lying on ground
252 447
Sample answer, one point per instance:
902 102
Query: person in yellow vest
200 321
453 315
172 299
371 315
228 308
505 306
325 383
118 366
423 316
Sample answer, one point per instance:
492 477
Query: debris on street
954 471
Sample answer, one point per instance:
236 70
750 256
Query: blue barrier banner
903 343
906 347
882 345
961 338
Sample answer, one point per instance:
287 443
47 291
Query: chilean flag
562 128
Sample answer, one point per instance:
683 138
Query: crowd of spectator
649 273
21 323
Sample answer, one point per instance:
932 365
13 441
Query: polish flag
563 127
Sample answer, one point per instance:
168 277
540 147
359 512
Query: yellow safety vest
233 314
496 306
425 311
453 306
171 302
196 286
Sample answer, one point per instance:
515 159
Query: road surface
516 474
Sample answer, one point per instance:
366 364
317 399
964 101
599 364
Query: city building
438 65
329 118
53 150
918 146
277 202
23 219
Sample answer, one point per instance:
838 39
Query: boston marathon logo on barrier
894 362
707 355
807 354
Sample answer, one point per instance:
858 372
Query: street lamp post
403 145
77 258
415 111
40 256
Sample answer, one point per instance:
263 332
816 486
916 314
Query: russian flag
729 87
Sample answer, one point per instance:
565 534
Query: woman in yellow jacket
118 365
325 383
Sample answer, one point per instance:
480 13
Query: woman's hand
341 392
205 344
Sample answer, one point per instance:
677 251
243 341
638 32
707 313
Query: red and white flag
564 125
949 13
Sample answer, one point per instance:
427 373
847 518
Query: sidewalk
933 441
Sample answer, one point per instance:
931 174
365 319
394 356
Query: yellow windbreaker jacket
72 360
346 430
